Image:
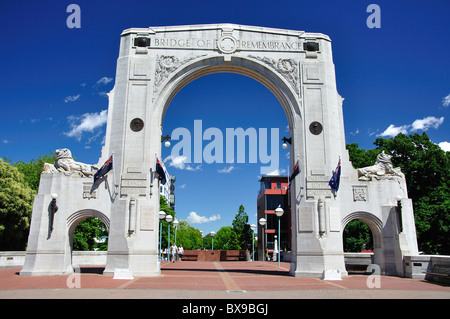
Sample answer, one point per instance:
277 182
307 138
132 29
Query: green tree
362 158
226 239
242 228
16 202
32 170
207 241
164 206
87 233
427 171
357 236
188 236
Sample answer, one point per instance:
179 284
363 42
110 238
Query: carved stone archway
154 64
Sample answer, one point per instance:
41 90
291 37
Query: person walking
180 252
173 252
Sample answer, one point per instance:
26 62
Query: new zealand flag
336 178
105 169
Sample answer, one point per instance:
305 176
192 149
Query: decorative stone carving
359 194
64 163
88 192
382 169
286 67
227 44
166 64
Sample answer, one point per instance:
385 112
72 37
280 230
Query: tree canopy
16 202
242 228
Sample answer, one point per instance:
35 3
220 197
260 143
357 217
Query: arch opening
93 236
361 239
215 74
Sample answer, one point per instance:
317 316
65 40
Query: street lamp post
169 218
175 224
212 238
162 215
253 227
279 212
262 222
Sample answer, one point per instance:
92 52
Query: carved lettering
243 45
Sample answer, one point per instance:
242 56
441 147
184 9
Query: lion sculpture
383 169
65 163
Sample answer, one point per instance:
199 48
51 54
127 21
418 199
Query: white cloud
445 146
426 123
87 122
393 130
419 124
226 169
5 141
446 100
104 80
71 98
180 162
194 218
277 172
182 186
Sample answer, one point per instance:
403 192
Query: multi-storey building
273 193
168 189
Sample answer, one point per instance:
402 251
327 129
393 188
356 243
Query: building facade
168 189
273 193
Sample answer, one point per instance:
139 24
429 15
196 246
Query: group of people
174 251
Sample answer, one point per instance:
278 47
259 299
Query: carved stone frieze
288 68
166 64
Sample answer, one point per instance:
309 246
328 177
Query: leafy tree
86 234
16 202
207 241
164 206
226 239
32 170
242 228
427 170
362 158
357 236
188 236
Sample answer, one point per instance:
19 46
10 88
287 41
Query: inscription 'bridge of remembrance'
154 64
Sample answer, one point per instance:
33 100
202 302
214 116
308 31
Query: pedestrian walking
180 252
173 252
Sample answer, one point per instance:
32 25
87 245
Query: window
272 201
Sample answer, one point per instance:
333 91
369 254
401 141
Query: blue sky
54 82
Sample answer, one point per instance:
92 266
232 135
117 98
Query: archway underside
74 219
252 69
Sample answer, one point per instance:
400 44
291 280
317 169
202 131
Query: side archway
374 223
74 219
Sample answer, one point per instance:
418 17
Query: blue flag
336 178
105 169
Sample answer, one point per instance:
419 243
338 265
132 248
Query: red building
273 193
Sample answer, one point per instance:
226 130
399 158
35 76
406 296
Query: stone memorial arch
153 65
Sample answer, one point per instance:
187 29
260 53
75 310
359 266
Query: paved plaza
215 280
